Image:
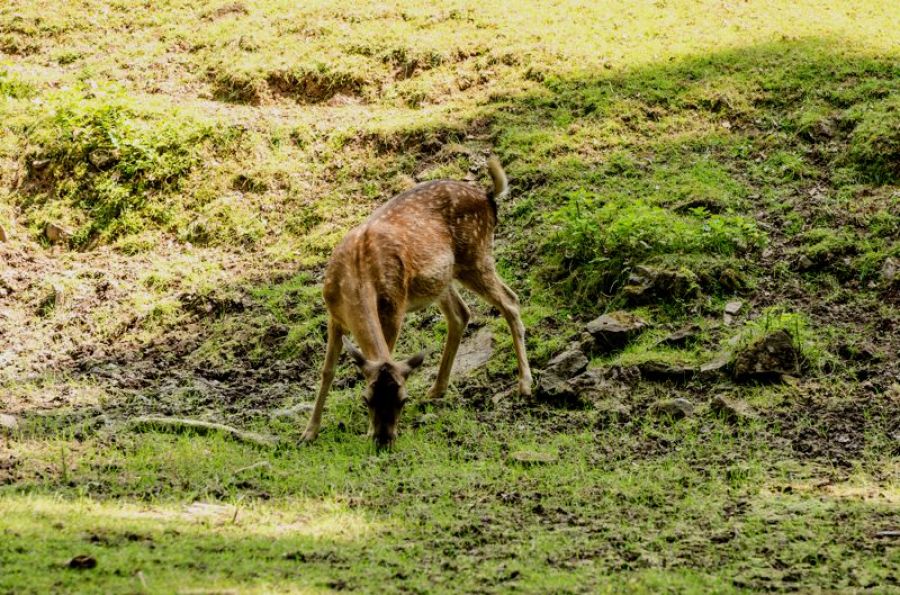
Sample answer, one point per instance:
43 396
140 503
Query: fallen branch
177 424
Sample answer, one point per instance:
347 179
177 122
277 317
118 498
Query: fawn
402 258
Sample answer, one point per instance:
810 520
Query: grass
207 157
435 504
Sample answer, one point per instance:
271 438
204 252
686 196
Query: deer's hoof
435 392
525 387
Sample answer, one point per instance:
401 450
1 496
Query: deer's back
415 244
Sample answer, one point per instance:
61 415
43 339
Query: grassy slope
206 159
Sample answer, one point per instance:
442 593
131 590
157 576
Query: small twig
177 424
257 465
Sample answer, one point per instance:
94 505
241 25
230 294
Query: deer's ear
355 353
413 363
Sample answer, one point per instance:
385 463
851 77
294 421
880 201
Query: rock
103 159
8 423
889 270
474 353
675 408
558 392
82 562
713 368
731 310
625 374
662 371
590 381
38 165
731 409
568 364
681 337
613 331
573 393
649 284
767 358
530 458
56 233
733 307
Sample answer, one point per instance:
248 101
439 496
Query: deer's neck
367 325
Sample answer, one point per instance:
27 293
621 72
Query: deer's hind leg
457 314
332 352
485 282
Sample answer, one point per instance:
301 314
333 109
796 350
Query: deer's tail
501 184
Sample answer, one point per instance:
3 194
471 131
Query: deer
404 257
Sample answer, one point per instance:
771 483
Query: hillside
174 175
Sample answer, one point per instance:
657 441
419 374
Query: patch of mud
94 347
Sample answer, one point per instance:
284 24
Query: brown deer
401 259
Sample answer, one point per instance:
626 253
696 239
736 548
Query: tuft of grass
811 342
596 241
13 87
875 142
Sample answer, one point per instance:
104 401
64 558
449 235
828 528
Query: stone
675 408
589 380
648 284
613 331
8 423
731 310
733 307
713 368
889 270
767 358
568 364
681 337
558 392
56 233
82 562
531 458
662 371
474 352
732 410
103 159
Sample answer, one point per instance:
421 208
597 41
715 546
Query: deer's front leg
457 314
332 352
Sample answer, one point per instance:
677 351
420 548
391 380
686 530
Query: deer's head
385 392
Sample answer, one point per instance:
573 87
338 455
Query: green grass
707 504
207 157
